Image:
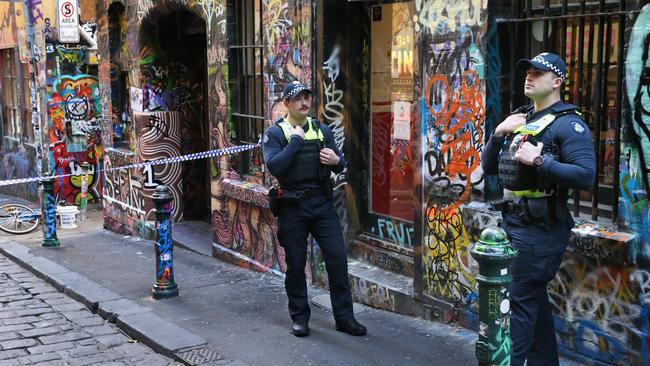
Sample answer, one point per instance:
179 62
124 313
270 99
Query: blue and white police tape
174 159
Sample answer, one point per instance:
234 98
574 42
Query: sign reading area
68 21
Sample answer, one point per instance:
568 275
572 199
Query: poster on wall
401 120
136 99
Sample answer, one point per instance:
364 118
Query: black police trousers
316 216
531 324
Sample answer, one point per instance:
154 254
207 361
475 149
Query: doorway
393 59
173 83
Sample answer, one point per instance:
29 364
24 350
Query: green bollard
164 286
493 253
49 214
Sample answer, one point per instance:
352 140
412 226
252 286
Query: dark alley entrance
171 118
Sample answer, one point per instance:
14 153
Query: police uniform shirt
278 153
575 169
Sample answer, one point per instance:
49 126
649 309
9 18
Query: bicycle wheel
18 219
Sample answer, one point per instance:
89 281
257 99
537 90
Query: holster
541 211
276 199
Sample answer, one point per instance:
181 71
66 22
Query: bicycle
18 219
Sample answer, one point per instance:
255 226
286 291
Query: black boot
351 326
300 328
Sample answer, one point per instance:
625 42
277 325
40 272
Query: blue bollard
49 214
165 286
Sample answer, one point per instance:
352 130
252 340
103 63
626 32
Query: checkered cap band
540 59
293 89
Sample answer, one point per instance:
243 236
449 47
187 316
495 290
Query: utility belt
543 211
278 196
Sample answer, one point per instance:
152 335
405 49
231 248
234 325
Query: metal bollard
165 286
49 214
493 253
83 200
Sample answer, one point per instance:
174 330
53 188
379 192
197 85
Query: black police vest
524 180
306 165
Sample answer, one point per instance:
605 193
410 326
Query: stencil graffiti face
76 107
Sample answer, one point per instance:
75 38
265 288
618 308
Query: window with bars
11 116
247 83
589 36
26 104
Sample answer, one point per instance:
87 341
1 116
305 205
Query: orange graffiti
460 119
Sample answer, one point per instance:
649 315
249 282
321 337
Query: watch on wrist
538 160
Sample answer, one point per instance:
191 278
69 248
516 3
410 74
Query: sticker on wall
402 120
136 99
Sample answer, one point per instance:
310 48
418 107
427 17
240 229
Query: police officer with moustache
301 154
540 153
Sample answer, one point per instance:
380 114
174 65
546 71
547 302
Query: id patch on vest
577 127
536 127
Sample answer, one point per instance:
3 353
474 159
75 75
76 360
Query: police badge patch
266 138
577 127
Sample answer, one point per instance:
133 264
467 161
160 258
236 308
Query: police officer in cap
301 154
540 152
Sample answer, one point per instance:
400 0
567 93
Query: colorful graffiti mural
452 126
74 127
241 221
249 227
634 166
601 311
287 34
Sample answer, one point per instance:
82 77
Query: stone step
195 236
381 289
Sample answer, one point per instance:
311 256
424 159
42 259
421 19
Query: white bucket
68 215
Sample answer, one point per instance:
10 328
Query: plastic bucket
68 215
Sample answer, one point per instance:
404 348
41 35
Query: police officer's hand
527 152
510 124
298 131
328 157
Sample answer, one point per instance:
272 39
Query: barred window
11 116
246 83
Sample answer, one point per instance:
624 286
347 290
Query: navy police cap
546 62
293 89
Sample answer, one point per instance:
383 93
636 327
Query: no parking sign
68 21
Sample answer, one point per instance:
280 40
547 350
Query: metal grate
247 82
203 356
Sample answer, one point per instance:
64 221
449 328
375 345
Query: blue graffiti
165 246
471 315
592 343
587 348
49 221
644 316
399 233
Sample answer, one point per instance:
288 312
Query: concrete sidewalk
242 314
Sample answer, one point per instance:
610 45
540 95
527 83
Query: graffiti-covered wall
66 87
453 111
241 219
161 63
74 118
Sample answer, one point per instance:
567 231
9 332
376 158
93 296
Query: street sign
68 21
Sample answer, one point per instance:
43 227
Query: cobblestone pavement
41 326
